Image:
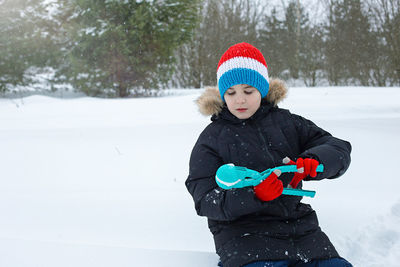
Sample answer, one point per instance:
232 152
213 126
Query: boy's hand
270 188
305 167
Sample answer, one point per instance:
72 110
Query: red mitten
305 167
270 188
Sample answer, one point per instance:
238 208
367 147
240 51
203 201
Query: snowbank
100 182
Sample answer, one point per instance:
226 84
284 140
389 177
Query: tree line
120 48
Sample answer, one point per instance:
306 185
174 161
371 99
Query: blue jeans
334 262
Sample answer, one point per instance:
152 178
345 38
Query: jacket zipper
265 144
285 210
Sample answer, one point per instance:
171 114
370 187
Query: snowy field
98 182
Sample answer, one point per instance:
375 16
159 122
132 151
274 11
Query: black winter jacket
246 229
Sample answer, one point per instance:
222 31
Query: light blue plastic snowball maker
229 176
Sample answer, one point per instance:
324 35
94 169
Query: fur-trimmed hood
210 101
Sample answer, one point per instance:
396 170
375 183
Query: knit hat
242 64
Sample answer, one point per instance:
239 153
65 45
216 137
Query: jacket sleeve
317 143
210 200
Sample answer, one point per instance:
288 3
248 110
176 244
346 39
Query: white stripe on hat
242 62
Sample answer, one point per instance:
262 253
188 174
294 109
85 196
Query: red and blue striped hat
242 64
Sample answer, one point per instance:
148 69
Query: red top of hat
242 50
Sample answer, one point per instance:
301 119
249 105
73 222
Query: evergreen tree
26 41
348 54
222 24
272 44
312 55
292 47
296 26
386 18
121 45
391 34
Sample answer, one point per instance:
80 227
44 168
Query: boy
259 226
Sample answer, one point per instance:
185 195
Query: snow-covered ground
97 182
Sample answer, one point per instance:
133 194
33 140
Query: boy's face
242 100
